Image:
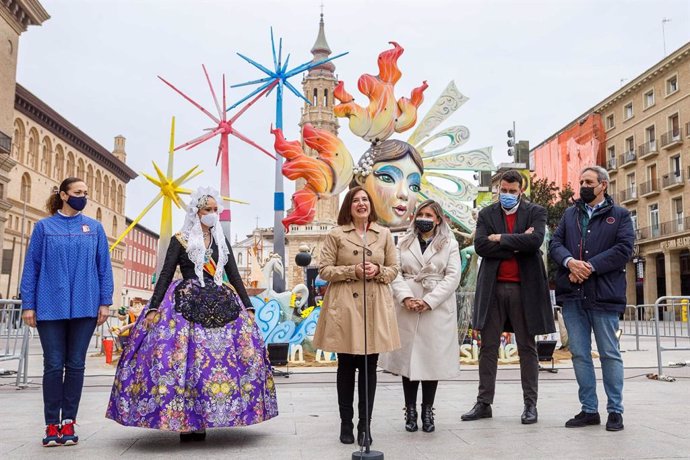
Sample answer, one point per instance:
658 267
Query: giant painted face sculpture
393 181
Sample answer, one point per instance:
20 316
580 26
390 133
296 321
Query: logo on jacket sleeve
610 220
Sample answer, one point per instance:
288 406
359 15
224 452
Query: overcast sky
538 63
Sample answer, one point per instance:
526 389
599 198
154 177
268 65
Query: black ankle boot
361 432
428 418
346 434
411 418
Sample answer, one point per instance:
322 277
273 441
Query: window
633 217
648 98
651 173
632 190
654 219
628 111
70 164
32 158
239 259
7 261
677 210
99 215
610 122
46 156
113 195
650 136
315 99
325 97
81 169
99 181
89 177
674 126
675 165
630 144
106 190
612 152
25 192
115 226
671 85
612 188
59 168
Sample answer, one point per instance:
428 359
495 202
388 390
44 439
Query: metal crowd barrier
676 303
14 339
666 319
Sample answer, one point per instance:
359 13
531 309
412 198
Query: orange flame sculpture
384 115
326 175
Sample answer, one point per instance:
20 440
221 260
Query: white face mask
209 220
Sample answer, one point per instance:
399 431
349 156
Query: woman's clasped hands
416 305
366 270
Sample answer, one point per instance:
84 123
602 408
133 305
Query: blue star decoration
278 77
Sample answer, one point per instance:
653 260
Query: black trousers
410 388
507 305
347 365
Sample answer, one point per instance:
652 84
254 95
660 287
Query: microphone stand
365 450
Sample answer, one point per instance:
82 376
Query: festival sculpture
397 174
279 78
394 172
224 127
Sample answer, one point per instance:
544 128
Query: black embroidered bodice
177 255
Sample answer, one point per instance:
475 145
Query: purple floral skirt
181 376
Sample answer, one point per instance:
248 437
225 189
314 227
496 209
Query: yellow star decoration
170 191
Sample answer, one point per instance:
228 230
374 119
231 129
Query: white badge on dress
85 228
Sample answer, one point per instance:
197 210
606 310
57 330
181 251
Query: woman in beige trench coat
341 324
426 307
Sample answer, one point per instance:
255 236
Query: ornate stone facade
47 149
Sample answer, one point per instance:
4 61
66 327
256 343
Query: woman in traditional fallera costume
195 359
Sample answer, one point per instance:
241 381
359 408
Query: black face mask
587 194
424 225
78 203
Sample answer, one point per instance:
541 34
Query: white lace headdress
192 233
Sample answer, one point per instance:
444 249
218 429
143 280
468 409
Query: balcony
678 225
627 159
673 180
671 139
642 233
648 149
649 188
611 164
629 195
5 143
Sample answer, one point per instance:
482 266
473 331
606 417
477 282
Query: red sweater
508 270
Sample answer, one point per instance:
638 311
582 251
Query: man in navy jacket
592 246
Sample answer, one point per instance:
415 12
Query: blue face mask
508 200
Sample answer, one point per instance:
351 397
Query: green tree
547 194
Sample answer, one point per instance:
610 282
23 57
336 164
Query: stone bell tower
318 86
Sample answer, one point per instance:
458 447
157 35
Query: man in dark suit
512 291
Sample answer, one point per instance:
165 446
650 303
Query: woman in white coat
424 292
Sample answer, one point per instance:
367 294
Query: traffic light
511 142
